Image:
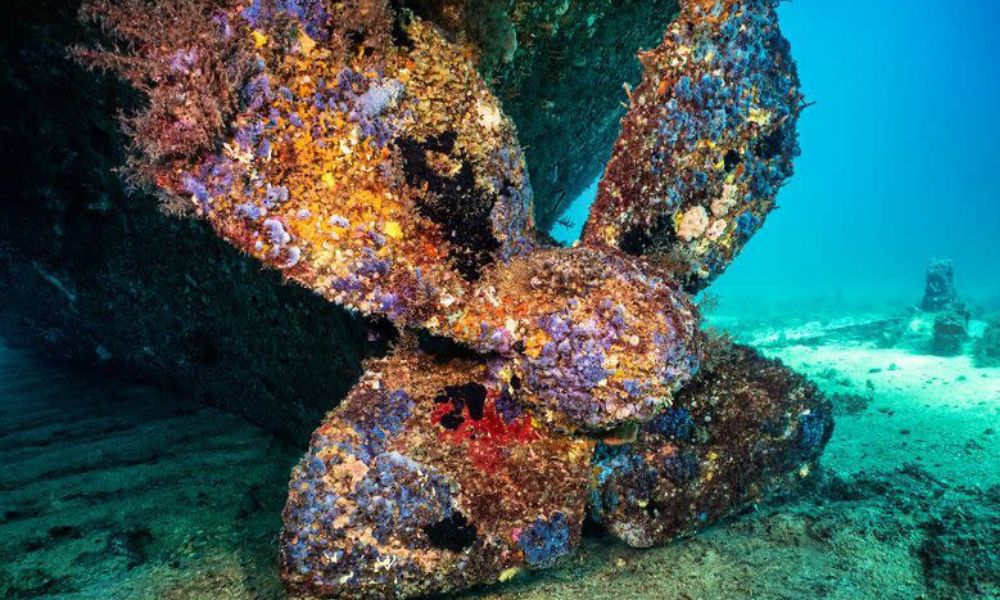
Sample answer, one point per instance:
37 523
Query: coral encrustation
357 150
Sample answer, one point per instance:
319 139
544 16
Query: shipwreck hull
96 273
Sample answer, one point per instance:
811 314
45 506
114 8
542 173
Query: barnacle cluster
357 150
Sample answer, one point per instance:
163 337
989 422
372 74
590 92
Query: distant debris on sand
986 352
950 332
939 292
941 324
952 319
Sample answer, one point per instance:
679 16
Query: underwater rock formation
356 150
744 427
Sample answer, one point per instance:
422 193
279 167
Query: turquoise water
899 159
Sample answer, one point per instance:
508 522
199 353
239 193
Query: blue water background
900 156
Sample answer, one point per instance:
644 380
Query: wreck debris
358 151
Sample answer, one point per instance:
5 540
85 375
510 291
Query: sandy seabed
117 490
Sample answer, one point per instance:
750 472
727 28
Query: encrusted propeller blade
360 154
430 477
746 425
708 139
